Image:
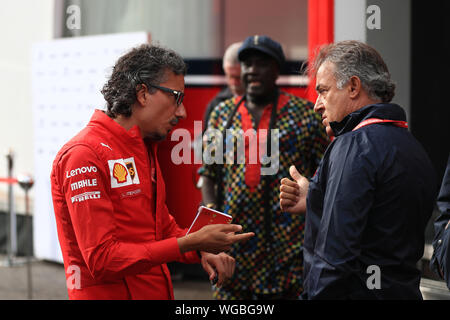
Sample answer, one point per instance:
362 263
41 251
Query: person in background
232 69
440 261
268 266
370 200
114 228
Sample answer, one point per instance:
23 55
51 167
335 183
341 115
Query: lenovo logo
77 171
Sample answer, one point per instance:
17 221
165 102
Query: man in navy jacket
440 262
368 204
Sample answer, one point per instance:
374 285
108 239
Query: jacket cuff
164 251
193 257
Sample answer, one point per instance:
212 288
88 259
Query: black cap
263 44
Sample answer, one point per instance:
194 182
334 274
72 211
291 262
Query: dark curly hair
146 64
354 58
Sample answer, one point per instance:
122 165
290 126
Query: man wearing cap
232 69
269 266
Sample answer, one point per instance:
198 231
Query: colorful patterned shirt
267 263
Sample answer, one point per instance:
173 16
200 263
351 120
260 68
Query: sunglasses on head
179 96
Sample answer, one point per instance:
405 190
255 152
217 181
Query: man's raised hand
293 192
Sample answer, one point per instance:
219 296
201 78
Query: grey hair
145 64
231 54
355 58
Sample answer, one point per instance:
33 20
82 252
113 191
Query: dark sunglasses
179 96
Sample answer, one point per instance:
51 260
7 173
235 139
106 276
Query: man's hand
293 192
221 265
214 238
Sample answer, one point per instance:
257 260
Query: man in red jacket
114 228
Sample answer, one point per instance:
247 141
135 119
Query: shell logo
120 173
123 172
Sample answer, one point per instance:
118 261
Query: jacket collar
99 118
387 111
225 93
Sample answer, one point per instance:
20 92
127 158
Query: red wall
183 198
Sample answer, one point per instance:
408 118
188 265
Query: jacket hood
386 111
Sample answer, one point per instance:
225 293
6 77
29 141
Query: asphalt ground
49 283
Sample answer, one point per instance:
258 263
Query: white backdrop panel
67 76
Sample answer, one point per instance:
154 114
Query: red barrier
8 180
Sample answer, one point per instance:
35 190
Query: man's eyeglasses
179 96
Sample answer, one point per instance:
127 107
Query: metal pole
26 182
12 225
28 247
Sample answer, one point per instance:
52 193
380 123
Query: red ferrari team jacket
114 228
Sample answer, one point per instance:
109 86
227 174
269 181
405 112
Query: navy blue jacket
223 95
367 208
440 262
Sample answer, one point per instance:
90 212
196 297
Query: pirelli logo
86 196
